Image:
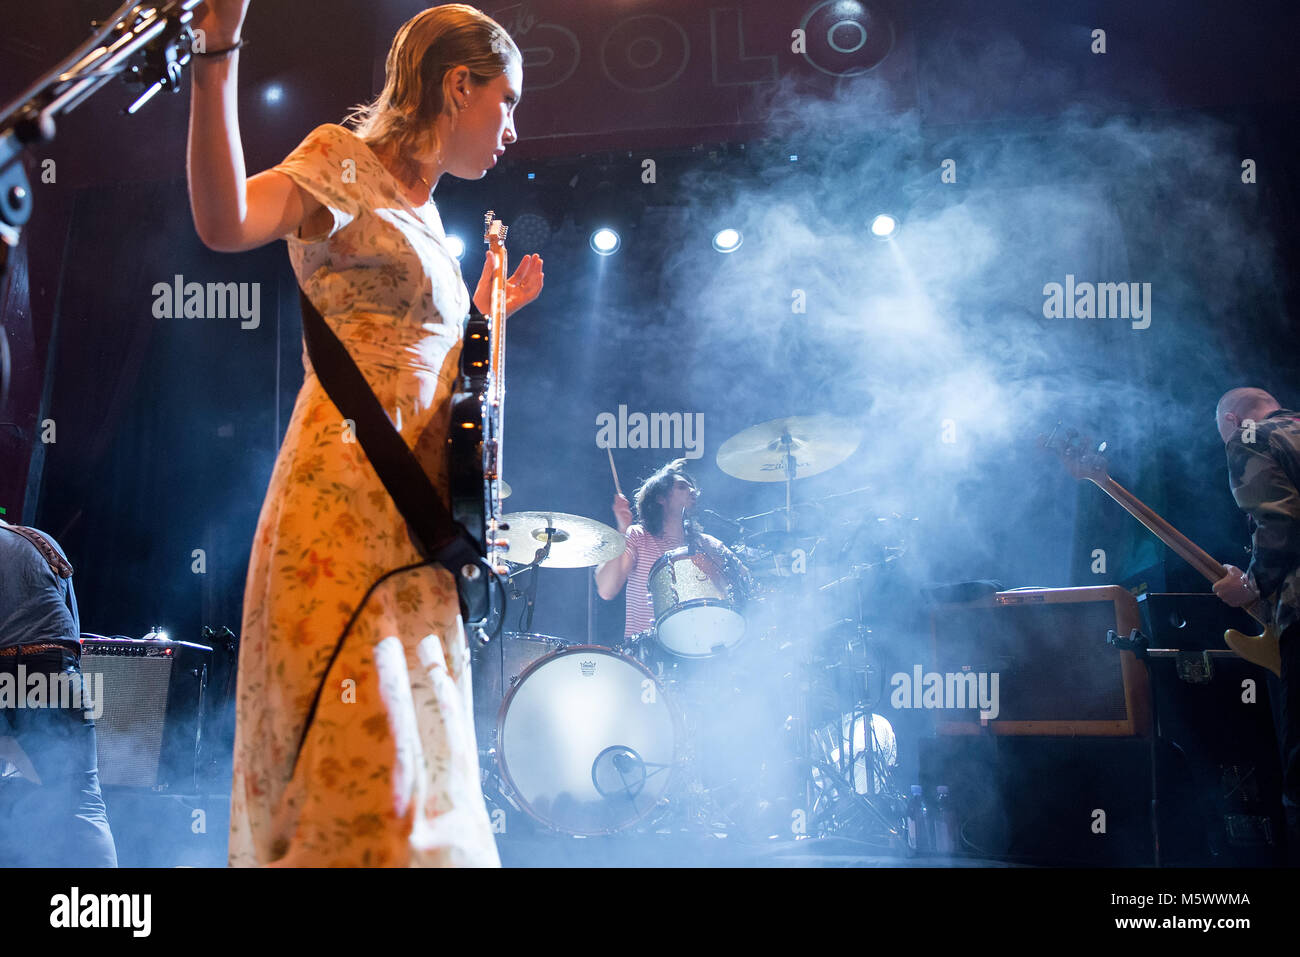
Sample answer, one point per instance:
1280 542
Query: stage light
274 94
605 241
727 240
457 246
884 226
530 231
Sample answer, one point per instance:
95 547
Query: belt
35 648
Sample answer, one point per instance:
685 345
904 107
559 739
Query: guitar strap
58 564
436 535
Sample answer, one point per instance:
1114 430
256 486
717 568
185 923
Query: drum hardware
530 594
781 450
578 751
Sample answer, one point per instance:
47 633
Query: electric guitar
1085 461
477 426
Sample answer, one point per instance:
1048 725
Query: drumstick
614 470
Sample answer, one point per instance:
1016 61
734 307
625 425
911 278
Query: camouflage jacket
1264 475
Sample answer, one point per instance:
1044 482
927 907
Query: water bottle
918 837
945 830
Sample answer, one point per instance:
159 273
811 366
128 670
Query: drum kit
745 710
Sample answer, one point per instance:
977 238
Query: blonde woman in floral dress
388 774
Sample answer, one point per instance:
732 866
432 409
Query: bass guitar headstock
1082 457
494 230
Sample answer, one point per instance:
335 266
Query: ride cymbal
817 443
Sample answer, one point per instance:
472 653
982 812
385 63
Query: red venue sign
603 73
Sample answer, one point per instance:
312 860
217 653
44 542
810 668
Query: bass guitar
1084 461
477 433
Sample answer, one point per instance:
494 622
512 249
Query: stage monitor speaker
1056 674
151 723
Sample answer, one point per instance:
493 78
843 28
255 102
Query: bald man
1263 445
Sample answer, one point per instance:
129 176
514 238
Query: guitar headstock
494 230
1081 456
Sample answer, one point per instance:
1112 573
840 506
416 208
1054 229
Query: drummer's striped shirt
648 549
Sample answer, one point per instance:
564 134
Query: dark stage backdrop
1125 168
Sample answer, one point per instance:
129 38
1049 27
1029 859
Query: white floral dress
389 773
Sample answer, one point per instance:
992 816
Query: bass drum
588 741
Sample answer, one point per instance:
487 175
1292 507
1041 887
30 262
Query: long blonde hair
403 118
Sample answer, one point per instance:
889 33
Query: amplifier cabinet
151 723
1045 653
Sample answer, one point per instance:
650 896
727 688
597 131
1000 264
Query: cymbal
505 488
817 442
576 541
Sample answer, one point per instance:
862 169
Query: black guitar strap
436 535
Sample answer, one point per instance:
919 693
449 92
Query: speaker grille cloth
129 733
1052 660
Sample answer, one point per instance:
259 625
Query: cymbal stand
530 594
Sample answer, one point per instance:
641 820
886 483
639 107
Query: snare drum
588 740
696 604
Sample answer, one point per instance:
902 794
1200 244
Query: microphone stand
145 44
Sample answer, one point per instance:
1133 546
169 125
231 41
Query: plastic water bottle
945 830
918 815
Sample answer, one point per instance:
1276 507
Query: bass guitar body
1262 649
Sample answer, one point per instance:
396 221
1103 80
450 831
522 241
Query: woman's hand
221 21
521 288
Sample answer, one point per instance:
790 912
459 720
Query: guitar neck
498 369
1195 556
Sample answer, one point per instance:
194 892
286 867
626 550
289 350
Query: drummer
665 503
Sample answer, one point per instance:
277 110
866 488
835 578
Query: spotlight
457 246
884 226
273 94
605 241
727 240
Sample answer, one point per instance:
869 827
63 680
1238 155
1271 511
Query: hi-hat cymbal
817 442
576 541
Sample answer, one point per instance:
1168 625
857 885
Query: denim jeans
63 822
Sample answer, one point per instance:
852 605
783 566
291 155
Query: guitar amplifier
1041 655
151 723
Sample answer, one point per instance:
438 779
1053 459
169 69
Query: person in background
52 813
1262 440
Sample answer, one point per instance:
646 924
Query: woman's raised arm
231 212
